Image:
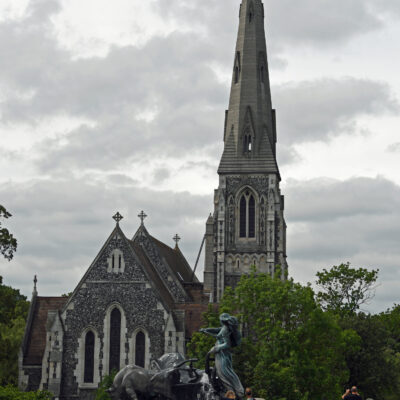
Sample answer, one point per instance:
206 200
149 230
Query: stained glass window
252 217
243 216
115 339
140 349
89 357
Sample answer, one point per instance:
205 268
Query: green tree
291 349
8 244
106 383
13 312
345 289
373 365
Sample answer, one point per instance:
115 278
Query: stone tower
248 226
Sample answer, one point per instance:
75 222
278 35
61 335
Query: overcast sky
108 106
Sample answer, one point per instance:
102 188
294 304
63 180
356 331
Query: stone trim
106 339
80 356
132 347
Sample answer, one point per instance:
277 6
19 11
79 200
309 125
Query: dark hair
233 325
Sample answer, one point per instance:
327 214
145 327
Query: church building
140 298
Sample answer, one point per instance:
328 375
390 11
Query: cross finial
34 286
176 239
118 217
142 216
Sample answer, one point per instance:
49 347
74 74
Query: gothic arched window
252 217
115 339
247 209
89 357
262 73
243 216
140 349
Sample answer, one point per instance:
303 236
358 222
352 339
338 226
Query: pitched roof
153 275
176 260
36 342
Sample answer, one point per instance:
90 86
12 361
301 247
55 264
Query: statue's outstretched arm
225 344
211 331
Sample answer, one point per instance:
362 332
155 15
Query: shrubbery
12 393
106 383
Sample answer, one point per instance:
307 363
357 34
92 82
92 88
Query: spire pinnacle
34 293
250 121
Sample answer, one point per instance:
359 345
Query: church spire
250 130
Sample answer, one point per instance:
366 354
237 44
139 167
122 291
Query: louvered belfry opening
115 339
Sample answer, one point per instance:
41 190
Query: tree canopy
291 349
13 312
8 243
345 289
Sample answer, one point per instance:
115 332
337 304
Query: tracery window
89 357
247 209
140 349
115 339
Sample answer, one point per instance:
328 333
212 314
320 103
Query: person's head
230 394
354 389
224 318
249 393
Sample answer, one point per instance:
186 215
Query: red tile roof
37 334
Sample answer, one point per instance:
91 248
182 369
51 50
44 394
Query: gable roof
154 277
36 340
176 261
169 264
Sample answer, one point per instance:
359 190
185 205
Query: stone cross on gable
117 217
176 239
142 216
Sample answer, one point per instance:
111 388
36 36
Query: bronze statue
228 336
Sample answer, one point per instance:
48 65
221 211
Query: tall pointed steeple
248 226
250 131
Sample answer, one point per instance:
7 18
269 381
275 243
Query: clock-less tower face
247 227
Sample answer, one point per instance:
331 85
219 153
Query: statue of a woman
228 336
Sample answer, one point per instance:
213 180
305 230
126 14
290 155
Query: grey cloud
288 23
357 220
328 199
287 155
165 77
161 174
388 7
61 225
316 22
320 109
394 148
